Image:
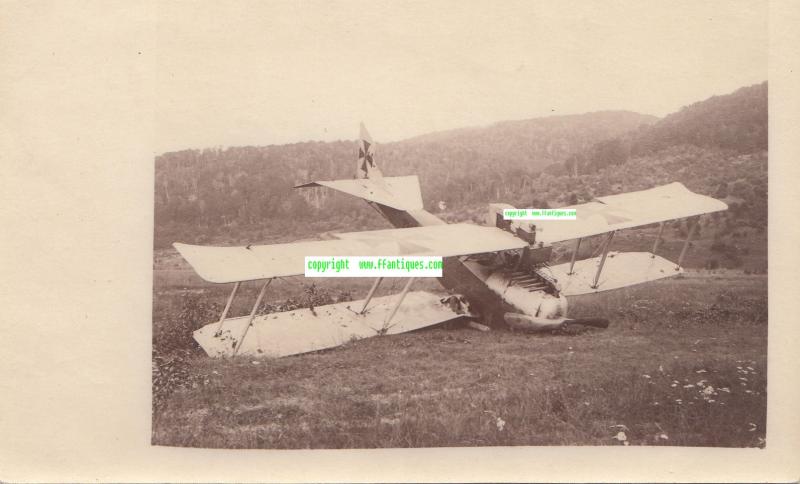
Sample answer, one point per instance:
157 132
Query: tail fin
366 167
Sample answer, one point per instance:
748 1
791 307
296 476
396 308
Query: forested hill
530 143
735 122
216 194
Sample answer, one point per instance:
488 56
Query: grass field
683 363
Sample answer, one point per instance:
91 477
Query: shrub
173 345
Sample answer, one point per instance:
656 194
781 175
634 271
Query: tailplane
398 192
397 198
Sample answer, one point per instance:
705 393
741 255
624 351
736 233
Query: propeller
524 322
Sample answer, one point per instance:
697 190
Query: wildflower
661 368
390 421
709 390
674 385
645 376
500 424
621 437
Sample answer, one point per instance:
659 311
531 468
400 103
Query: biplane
498 274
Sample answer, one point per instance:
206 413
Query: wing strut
658 240
252 316
574 255
603 259
227 308
692 227
399 301
370 294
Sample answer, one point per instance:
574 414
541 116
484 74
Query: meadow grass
683 363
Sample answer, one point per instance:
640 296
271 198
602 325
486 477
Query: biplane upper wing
623 211
234 264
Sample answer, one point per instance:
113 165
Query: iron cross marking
363 152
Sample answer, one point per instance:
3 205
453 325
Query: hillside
531 144
735 122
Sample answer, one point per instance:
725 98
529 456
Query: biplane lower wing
622 269
304 330
237 264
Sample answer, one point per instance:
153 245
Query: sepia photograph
399 241
496 225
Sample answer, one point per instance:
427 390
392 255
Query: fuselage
489 288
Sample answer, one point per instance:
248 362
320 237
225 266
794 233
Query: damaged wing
303 330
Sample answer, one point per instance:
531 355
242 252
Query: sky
240 73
